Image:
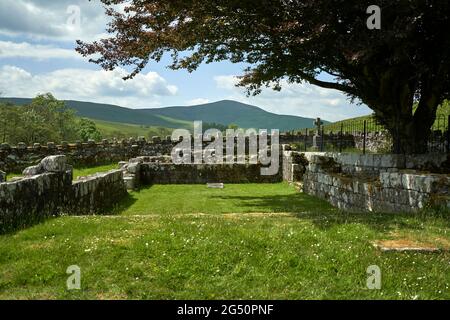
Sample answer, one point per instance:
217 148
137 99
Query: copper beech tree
407 60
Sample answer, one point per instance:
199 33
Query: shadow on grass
122 206
12 227
325 216
16 225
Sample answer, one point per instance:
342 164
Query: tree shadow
14 227
18 225
324 216
122 206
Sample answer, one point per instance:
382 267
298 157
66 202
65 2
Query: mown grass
311 251
78 172
13 175
87 171
234 198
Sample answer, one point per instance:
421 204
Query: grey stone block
54 164
32 171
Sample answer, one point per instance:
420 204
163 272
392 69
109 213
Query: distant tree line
44 119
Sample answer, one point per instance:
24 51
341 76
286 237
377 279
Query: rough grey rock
122 164
32 171
2 176
21 146
130 182
54 164
133 168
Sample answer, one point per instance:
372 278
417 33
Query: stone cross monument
316 138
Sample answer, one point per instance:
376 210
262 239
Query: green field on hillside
117 130
357 124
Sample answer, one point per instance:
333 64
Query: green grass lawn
87 171
78 172
12 175
251 242
234 198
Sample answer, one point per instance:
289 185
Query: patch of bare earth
408 245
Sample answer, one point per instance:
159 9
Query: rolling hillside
111 130
223 112
226 112
112 113
357 124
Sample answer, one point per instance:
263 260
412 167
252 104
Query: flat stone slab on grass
215 185
403 245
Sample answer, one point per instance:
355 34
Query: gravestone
317 137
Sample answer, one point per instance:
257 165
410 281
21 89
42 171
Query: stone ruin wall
51 192
386 183
17 158
376 142
378 183
47 189
160 170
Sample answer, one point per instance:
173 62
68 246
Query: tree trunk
411 132
393 105
408 138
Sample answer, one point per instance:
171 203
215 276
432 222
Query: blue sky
37 40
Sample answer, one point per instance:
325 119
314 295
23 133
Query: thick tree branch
327 85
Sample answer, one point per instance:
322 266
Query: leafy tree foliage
407 60
44 119
87 130
213 125
233 126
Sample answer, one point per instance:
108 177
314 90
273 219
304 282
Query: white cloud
10 49
49 19
88 85
296 99
198 101
226 82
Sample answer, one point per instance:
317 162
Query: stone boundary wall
94 194
52 192
381 183
32 199
201 174
159 170
386 183
17 158
376 142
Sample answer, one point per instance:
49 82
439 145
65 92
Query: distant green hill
112 113
222 112
226 112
